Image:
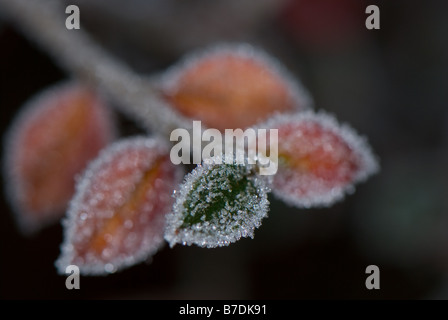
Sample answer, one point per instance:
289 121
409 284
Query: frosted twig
43 21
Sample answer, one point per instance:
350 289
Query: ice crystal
217 204
319 159
117 217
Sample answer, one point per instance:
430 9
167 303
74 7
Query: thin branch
43 21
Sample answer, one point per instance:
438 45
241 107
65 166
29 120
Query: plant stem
43 21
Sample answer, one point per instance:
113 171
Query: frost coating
117 217
216 205
320 160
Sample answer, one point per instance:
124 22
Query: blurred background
391 85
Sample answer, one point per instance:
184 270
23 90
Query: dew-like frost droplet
51 140
232 87
217 204
319 159
117 217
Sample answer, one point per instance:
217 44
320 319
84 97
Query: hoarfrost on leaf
236 204
320 160
117 217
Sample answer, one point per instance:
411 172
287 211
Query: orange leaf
232 87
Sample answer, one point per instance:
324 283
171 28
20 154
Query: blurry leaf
231 87
50 141
323 24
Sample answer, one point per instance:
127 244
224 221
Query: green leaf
217 204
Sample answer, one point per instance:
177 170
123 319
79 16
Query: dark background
390 84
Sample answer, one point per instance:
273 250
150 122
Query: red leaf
117 217
319 160
53 138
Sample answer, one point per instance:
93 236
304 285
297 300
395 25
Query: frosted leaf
231 86
117 217
217 204
51 140
319 159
